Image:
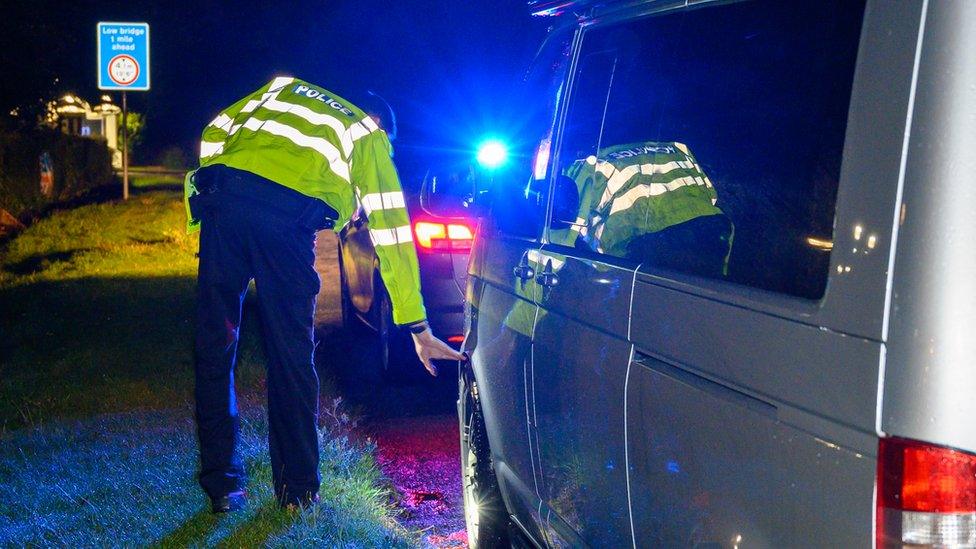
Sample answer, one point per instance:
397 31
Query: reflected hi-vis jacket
308 139
630 190
635 189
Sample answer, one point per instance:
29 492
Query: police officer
275 167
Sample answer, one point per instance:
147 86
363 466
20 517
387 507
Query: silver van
727 300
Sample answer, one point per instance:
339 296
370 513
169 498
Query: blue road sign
123 56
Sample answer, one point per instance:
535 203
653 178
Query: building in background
75 116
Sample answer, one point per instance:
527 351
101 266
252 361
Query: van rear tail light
443 237
926 495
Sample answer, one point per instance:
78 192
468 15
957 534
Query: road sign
123 65
123 56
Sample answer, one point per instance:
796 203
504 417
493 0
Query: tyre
389 340
484 511
348 315
397 358
386 332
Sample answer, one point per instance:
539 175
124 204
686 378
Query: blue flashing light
492 154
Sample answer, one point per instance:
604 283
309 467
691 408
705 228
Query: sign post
123 65
125 148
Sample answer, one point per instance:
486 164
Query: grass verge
97 313
155 181
97 445
127 479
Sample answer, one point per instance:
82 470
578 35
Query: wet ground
420 455
413 421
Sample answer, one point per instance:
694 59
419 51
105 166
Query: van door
502 297
503 294
581 351
580 361
729 137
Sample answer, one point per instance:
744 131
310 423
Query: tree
135 122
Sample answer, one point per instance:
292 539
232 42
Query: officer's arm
378 188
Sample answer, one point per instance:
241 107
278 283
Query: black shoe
234 501
301 503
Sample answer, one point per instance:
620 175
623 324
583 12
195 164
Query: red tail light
443 237
926 495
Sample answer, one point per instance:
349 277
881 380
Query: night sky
445 66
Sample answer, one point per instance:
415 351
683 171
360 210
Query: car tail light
443 237
926 495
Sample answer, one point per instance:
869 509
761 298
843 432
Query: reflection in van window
650 202
710 141
518 207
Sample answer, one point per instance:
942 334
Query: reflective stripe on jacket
638 188
308 139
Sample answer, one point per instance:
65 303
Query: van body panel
645 407
580 361
867 195
501 358
710 472
499 255
515 492
823 372
930 377
604 287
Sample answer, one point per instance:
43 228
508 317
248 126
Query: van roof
552 8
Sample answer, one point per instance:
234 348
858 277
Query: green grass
155 181
97 312
127 479
141 238
97 445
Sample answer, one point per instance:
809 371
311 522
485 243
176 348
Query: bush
173 158
80 164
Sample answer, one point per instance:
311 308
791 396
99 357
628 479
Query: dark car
811 387
443 245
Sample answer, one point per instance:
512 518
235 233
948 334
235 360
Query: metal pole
125 149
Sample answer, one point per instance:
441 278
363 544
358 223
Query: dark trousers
243 239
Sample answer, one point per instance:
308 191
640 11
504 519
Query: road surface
414 425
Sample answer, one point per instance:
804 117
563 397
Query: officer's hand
429 348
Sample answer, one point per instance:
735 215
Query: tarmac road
414 424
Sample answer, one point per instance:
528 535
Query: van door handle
523 272
547 278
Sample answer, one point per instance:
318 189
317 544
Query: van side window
710 141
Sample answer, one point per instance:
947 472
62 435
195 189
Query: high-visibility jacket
307 138
635 189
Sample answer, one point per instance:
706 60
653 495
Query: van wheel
484 511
